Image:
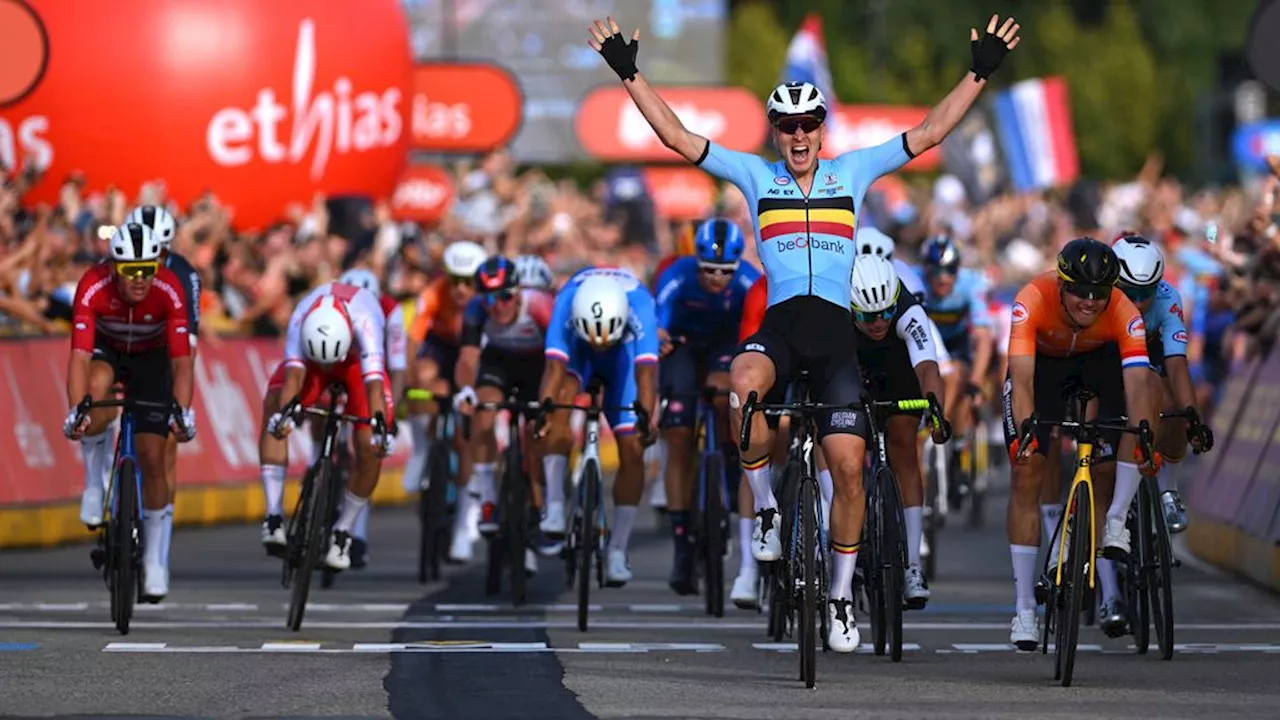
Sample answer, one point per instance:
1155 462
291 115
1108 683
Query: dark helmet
1087 266
496 274
940 253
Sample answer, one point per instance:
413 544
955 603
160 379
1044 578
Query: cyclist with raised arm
336 336
955 299
394 352
503 333
129 322
602 325
805 214
1073 328
901 365
699 304
436 333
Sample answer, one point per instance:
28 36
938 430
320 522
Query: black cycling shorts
809 333
890 376
505 370
147 377
1098 370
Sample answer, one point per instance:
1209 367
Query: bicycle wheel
892 558
515 517
1137 583
872 562
808 523
787 566
588 540
433 514
712 537
125 530
977 471
316 511
1159 569
1073 592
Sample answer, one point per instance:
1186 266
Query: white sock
553 470
467 516
91 450
419 433
1107 578
761 481
273 486
1127 480
913 518
483 483
624 518
748 561
1167 480
153 537
166 536
360 528
1024 575
352 505
106 454
842 565
1049 516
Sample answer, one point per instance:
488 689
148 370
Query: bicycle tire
125 530
809 596
978 448
1073 594
873 571
341 475
316 510
1136 575
1160 587
515 519
433 514
589 540
787 563
712 540
893 557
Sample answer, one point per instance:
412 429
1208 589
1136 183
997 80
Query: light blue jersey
964 308
1165 323
806 242
615 365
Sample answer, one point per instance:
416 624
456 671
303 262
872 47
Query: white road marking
429 647
519 624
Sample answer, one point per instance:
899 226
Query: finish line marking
445 623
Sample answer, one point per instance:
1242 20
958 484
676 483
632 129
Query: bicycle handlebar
529 409
929 404
1088 427
547 406
172 408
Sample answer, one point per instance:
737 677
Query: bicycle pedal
99 558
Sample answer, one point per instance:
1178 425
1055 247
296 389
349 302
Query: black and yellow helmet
1088 268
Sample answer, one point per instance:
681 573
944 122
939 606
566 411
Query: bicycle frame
710 446
125 450
1084 460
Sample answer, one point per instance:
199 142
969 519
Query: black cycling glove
988 52
621 56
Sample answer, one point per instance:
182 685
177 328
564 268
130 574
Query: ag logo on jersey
1019 313
1137 328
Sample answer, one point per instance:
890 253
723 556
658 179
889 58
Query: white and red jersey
396 351
525 335
101 314
368 324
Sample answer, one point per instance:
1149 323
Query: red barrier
41 466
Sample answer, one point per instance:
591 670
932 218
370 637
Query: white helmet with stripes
134 242
874 283
600 311
796 98
871 241
158 220
362 278
1141 261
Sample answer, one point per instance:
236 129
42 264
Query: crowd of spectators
1222 244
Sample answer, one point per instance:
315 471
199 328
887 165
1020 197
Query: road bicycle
435 488
119 550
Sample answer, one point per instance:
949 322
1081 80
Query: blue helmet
940 253
718 242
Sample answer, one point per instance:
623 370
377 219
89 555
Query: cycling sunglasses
789 125
1139 294
714 270
461 280
1086 291
138 270
501 296
869 317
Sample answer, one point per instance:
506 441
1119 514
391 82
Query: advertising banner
423 195
464 107
612 129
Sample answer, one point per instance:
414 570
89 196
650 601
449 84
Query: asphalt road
381 645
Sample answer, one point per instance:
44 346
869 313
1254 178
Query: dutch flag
807 62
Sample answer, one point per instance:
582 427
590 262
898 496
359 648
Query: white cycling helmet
134 242
361 278
796 98
1141 261
535 273
871 241
463 258
600 311
874 283
326 332
158 220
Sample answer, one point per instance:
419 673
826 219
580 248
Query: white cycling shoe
552 523
91 506
915 589
155 582
339 556
843 636
1025 631
745 593
765 543
1115 540
617 572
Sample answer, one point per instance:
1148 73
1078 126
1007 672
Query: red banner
39 465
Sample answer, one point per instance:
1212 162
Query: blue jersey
685 308
805 242
964 308
190 280
640 339
1164 321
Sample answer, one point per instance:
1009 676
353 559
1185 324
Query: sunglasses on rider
718 270
461 280
501 296
789 125
138 270
1139 294
1085 291
870 317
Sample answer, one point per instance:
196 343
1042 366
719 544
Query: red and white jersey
368 323
396 347
102 314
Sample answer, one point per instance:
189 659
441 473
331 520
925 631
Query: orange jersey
753 307
437 314
663 264
1039 326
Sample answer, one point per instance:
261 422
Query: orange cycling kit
1068 357
437 326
